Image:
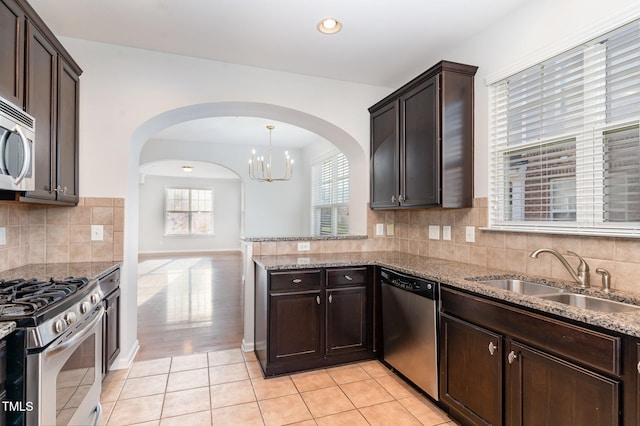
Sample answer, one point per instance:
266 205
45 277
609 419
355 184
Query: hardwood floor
189 304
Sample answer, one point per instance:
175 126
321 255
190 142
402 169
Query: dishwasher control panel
420 286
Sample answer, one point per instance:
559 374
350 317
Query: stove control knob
70 317
95 298
59 326
84 307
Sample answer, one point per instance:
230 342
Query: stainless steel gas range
54 358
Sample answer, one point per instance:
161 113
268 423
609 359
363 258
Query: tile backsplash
60 234
508 251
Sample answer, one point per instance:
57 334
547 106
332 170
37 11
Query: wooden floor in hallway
189 304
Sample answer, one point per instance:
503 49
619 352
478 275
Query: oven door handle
87 329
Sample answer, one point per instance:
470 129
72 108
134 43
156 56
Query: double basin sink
559 295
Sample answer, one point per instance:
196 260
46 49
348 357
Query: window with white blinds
565 141
330 196
188 211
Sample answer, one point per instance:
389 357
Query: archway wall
127 95
122 88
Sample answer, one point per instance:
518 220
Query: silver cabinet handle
492 348
512 357
297 280
393 199
330 298
401 198
318 300
348 278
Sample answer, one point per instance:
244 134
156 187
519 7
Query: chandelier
261 171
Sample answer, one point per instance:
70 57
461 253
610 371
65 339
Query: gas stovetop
21 298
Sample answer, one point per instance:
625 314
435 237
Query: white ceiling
174 168
383 43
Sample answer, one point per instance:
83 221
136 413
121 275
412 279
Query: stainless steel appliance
409 328
55 356
17 133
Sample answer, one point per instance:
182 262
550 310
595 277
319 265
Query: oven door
64 381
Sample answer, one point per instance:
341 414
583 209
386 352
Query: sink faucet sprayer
582 275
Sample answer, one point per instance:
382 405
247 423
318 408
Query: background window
330 196
188 211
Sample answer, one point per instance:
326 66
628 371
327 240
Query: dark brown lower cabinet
471 371
312 318
545 390
111 337
504 365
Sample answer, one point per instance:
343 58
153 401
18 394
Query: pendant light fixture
263 172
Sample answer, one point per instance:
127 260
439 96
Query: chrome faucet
582 275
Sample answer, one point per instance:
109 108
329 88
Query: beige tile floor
227 388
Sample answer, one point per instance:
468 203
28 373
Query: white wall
271 209
226 193
534 32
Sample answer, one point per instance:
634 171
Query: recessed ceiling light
187 168
329 26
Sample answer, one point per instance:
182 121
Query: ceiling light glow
329 26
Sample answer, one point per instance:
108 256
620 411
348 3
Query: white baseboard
247 347
123 362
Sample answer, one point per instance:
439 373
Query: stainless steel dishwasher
409 328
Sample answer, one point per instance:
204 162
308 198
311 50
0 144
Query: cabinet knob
492 348
393 199
330 298
318 300
348 278
297 280
401 198
512 357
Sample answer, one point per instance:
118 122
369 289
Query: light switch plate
446 232
379 229
304 246
434 232
470 234
97 233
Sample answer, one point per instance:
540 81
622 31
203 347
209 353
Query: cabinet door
420 146
545 390
41 103
12 29
346 326
385 186
111 338
471 372
67 140
294 326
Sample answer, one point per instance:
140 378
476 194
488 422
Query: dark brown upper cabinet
12 33
422 141
39 75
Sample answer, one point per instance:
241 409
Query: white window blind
565 141
330 196
188 211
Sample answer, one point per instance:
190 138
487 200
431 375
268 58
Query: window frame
591 215
188 212
339 187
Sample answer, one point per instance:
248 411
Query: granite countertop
46 271
455 274
307 238
6 328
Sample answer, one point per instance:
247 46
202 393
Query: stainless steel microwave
17 133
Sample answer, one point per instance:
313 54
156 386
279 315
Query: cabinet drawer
580 344
296 280
346 276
